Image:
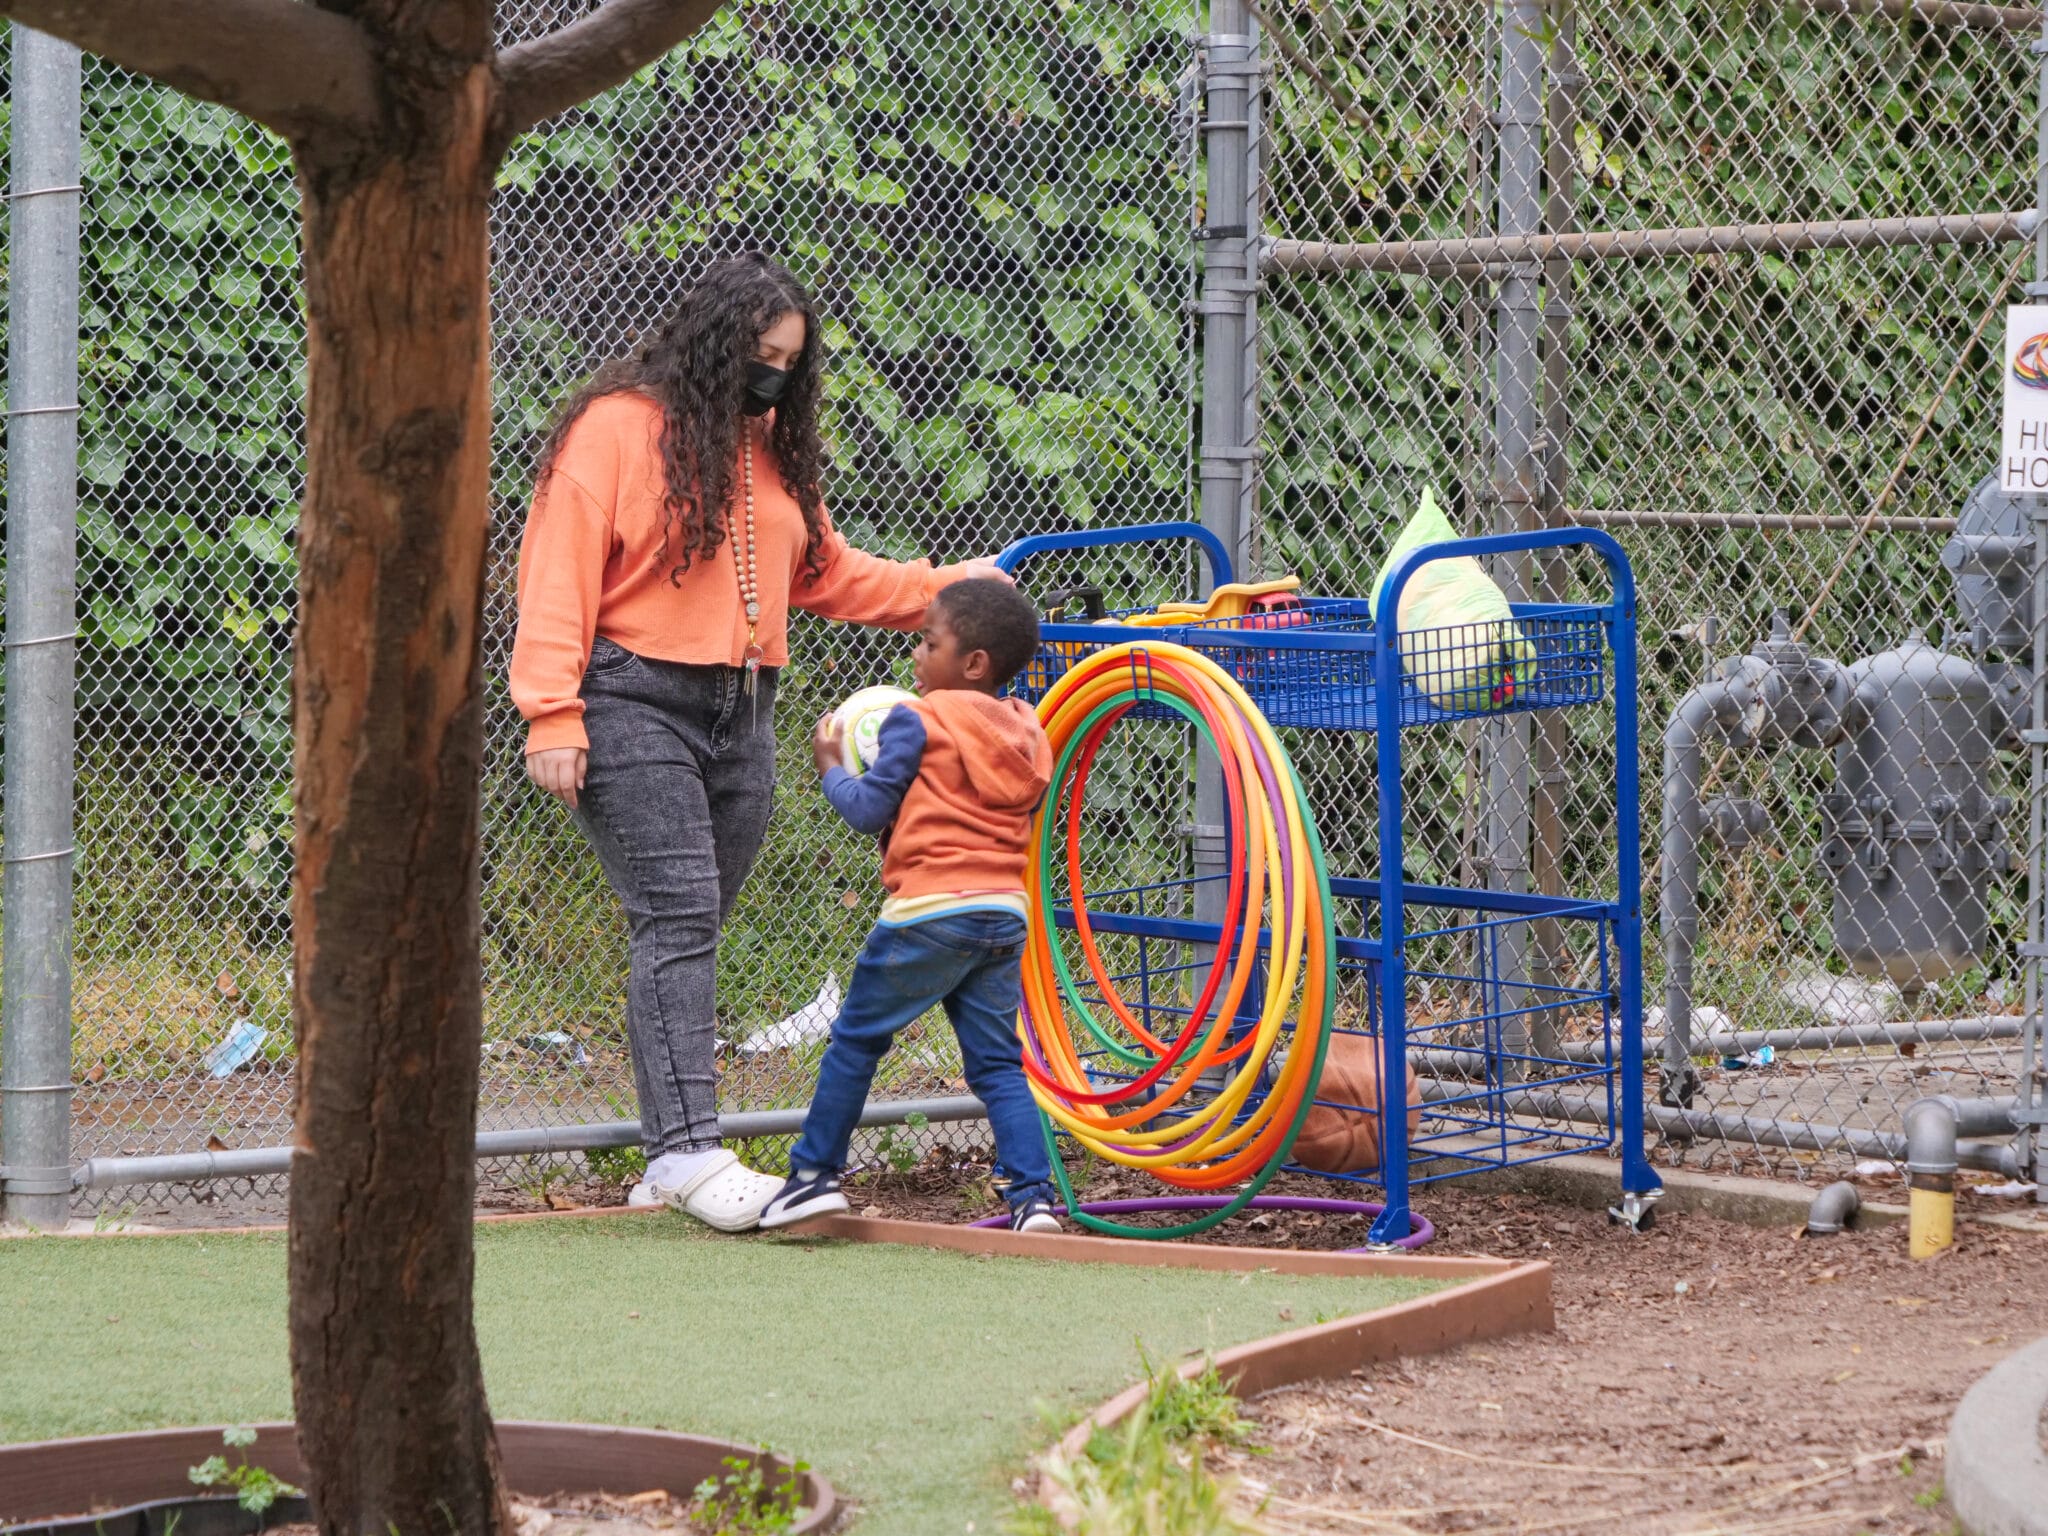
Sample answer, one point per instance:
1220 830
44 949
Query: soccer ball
860 719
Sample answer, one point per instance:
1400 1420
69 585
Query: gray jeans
675 801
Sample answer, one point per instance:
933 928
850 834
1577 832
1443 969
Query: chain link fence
998 209
1780 419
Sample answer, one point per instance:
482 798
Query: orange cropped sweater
592 563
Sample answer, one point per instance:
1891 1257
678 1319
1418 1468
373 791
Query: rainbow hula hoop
1277 880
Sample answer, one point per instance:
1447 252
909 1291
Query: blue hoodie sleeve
868 802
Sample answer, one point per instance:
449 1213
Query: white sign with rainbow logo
2023 456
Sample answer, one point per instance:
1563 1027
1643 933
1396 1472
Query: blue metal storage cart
1324 665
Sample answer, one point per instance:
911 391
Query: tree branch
551 74
300 70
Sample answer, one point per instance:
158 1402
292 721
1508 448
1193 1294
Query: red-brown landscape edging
45 1480
1516 1299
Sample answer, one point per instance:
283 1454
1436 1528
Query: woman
676 521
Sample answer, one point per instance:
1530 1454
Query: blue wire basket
1314 664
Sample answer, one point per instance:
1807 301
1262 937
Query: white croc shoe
724 1194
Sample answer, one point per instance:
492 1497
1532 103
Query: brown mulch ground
1704 1377
655 1512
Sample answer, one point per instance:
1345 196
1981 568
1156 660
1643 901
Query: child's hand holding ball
827 742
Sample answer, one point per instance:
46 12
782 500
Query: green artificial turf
911 1378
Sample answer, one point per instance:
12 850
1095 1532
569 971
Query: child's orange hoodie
956 778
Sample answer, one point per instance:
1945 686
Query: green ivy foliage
993 202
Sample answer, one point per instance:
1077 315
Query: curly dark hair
694 366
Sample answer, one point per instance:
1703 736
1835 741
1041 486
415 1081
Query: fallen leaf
849 899
226 984
1287 1314
651 1496
96 1072
557 1201
215 1144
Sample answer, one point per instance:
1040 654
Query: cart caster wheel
1636 1212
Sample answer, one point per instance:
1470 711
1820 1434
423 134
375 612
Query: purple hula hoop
1419 1229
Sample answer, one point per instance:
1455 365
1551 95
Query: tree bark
388 709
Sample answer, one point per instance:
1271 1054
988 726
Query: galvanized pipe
1817 522
41 640
536 1141
1705 1125
1710 707
1227 452
1517 461
1552 730
1445 258
2033 1083
1825 1037
1833 1209
1995 18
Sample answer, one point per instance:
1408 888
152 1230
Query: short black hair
993 616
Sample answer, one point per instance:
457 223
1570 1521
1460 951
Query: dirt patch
1704 1377
654 1512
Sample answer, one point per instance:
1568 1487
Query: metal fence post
1230 284
42 480
2031 1108
1560 157
1518 460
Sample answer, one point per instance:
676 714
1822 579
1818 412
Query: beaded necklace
747 572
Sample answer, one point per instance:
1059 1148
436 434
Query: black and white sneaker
1035 1215
804 1195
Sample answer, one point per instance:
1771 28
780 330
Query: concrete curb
1997 1471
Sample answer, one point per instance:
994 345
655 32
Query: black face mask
766 385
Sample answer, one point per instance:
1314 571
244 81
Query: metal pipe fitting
1713 707
1833 1209
1931 1131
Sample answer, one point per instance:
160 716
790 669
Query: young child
954 782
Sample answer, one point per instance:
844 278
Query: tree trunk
387 990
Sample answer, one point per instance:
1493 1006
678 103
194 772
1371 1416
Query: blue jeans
967 964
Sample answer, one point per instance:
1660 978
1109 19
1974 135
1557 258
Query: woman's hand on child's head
826 737
559 771
984 568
